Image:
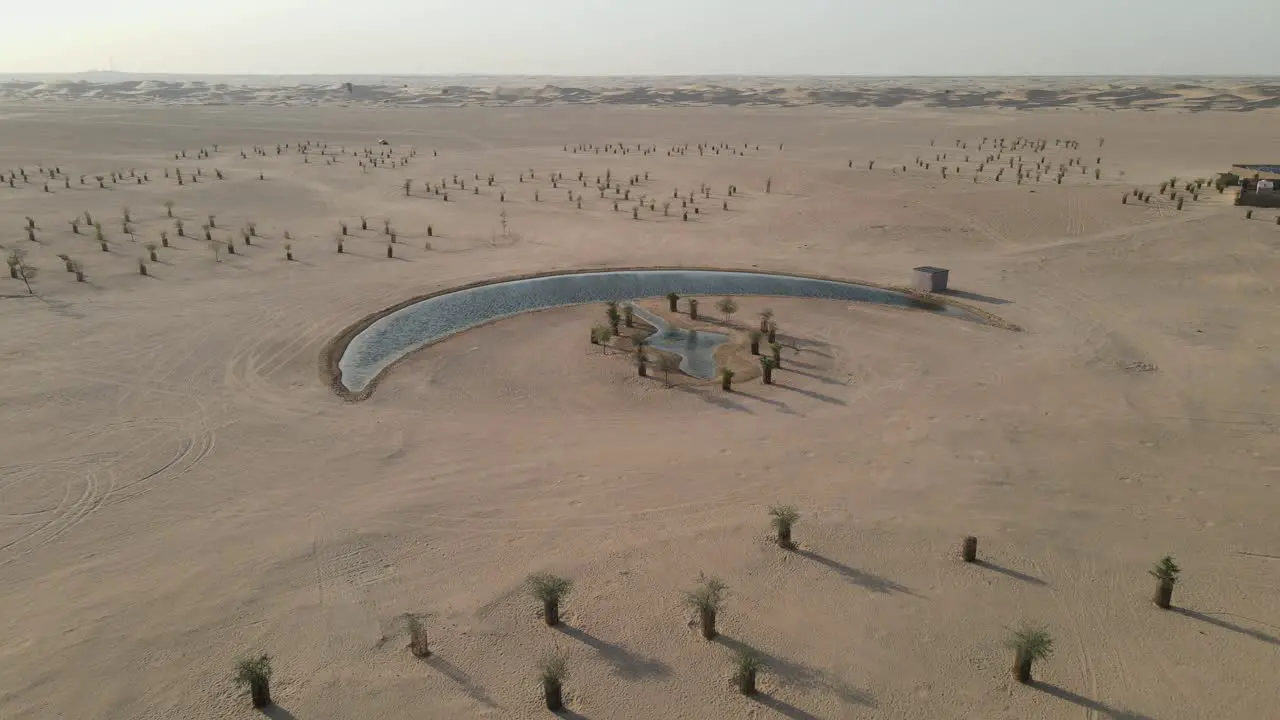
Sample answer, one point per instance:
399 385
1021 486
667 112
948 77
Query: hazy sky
648 37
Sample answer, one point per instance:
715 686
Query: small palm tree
611 312
777 354
726 379
288 251
417 635
151 250
766 317
168 207
1166 574
672 299
256 674
628 315
783 518
693 309
727 306
642 358
1029 643
746 664
756 336
766 367
550 589
707 599
553 669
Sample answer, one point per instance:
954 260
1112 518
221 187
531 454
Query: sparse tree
707 599
553 670
746 664
783 518
549 590
1166 574
727 306
1029 643
601 335
668 364
255 673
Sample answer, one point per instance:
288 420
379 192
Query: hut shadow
975 297
861 578
1011 573
625 663
1255 634
1087 703
799 675
464 681
812 394
275 712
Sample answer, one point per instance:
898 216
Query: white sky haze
653 37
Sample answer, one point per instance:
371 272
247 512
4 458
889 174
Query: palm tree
766 318
746 663
1166 574
168 206
772 332
728 307
611 312
628 315
672 299
707 599
783 518
777 354
766 366
693 308
550 589
642 358
553 670
755 336
1029 643
417 635
726 379
151 250
256 673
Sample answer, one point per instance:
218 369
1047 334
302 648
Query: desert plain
181 487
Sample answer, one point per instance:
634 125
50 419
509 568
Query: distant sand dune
1194 95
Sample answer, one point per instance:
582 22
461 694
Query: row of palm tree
1030 642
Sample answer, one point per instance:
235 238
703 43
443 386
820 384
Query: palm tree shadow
812 394
782 407
568 714
785 709
717 398
791 368
798 675
464 681
861 578
1256 634
625 663
275 712
1086 703
1011 573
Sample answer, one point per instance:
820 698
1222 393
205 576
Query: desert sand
180 486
